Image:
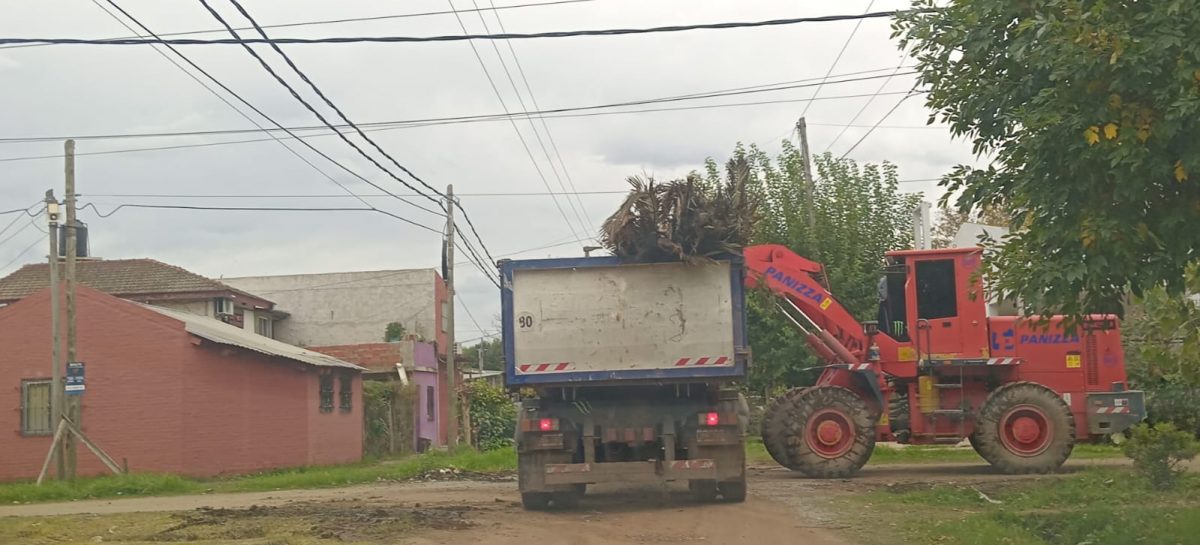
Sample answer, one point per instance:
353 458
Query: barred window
345 392
326 393
35 408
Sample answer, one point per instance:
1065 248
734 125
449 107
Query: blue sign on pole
74 384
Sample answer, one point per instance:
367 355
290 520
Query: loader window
892 319
936 289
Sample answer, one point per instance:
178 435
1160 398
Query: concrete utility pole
56 364
802 130
451 364
73 402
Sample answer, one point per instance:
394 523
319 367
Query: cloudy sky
66 90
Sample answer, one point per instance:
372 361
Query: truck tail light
548 424
711 419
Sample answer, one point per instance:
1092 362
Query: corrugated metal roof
223 333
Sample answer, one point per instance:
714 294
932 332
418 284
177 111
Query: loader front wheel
832 433
1025 428
775 424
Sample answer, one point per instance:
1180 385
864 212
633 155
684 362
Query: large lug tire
832 432
567 499
1025 427
535 501
775 424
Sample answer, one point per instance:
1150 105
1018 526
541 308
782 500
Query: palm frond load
688 219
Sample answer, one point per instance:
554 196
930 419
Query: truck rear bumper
1114 412
613 472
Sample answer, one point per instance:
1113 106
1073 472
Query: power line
469 315
881 120
14 234
849 39
536 106
336 21
18 218
256 110
330 103
512 122
466 37
22 253
764 88
336 196
865 105
122 206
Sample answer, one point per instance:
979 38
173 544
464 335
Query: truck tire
1025 427
832 433
733 491
775 424
535 501
568 499
703 490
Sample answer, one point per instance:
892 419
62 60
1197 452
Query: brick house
170 391
421 367
155 283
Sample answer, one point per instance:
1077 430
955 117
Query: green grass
756 454
1095 506
147 484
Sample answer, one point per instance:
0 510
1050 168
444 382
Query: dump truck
626 373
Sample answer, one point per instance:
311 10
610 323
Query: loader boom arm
837 337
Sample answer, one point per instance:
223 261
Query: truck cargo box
599 320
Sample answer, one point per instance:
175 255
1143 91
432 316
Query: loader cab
939 300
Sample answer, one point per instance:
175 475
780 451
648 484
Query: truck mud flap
615 472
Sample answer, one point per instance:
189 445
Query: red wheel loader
941 364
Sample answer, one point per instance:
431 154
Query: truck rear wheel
1025 427
832 433
775 424
703 490
733 491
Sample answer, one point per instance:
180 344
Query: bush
493 415
388 413
1158 452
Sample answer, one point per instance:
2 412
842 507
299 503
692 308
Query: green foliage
1095 506
493 415
388 413
493 354
1163 354
1159 451
394 332
858 212
1089 113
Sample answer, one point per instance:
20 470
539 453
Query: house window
262 326
35 408
345 392
326 393
222 306
429 403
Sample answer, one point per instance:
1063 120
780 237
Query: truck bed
600 320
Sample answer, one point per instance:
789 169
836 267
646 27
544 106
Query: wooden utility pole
56 363
451 353
73 408
802 130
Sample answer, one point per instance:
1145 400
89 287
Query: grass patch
146 484
756 454
1095 506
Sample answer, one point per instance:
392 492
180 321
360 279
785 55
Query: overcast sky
89 90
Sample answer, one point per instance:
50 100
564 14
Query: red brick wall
377 357
165 403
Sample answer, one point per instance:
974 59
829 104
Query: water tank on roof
81 240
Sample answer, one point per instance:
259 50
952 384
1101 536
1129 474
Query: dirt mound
343 521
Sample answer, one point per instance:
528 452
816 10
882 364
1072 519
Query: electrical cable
334 21
525 145
14 234
865 105
533 99
341 114
122 206
422 122
337 196
18 218
264 116
466 37
21 253
838 58
881 120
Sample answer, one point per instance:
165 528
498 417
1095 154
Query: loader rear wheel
775 424
832 433
1025 428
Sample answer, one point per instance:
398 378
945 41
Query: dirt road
489 513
